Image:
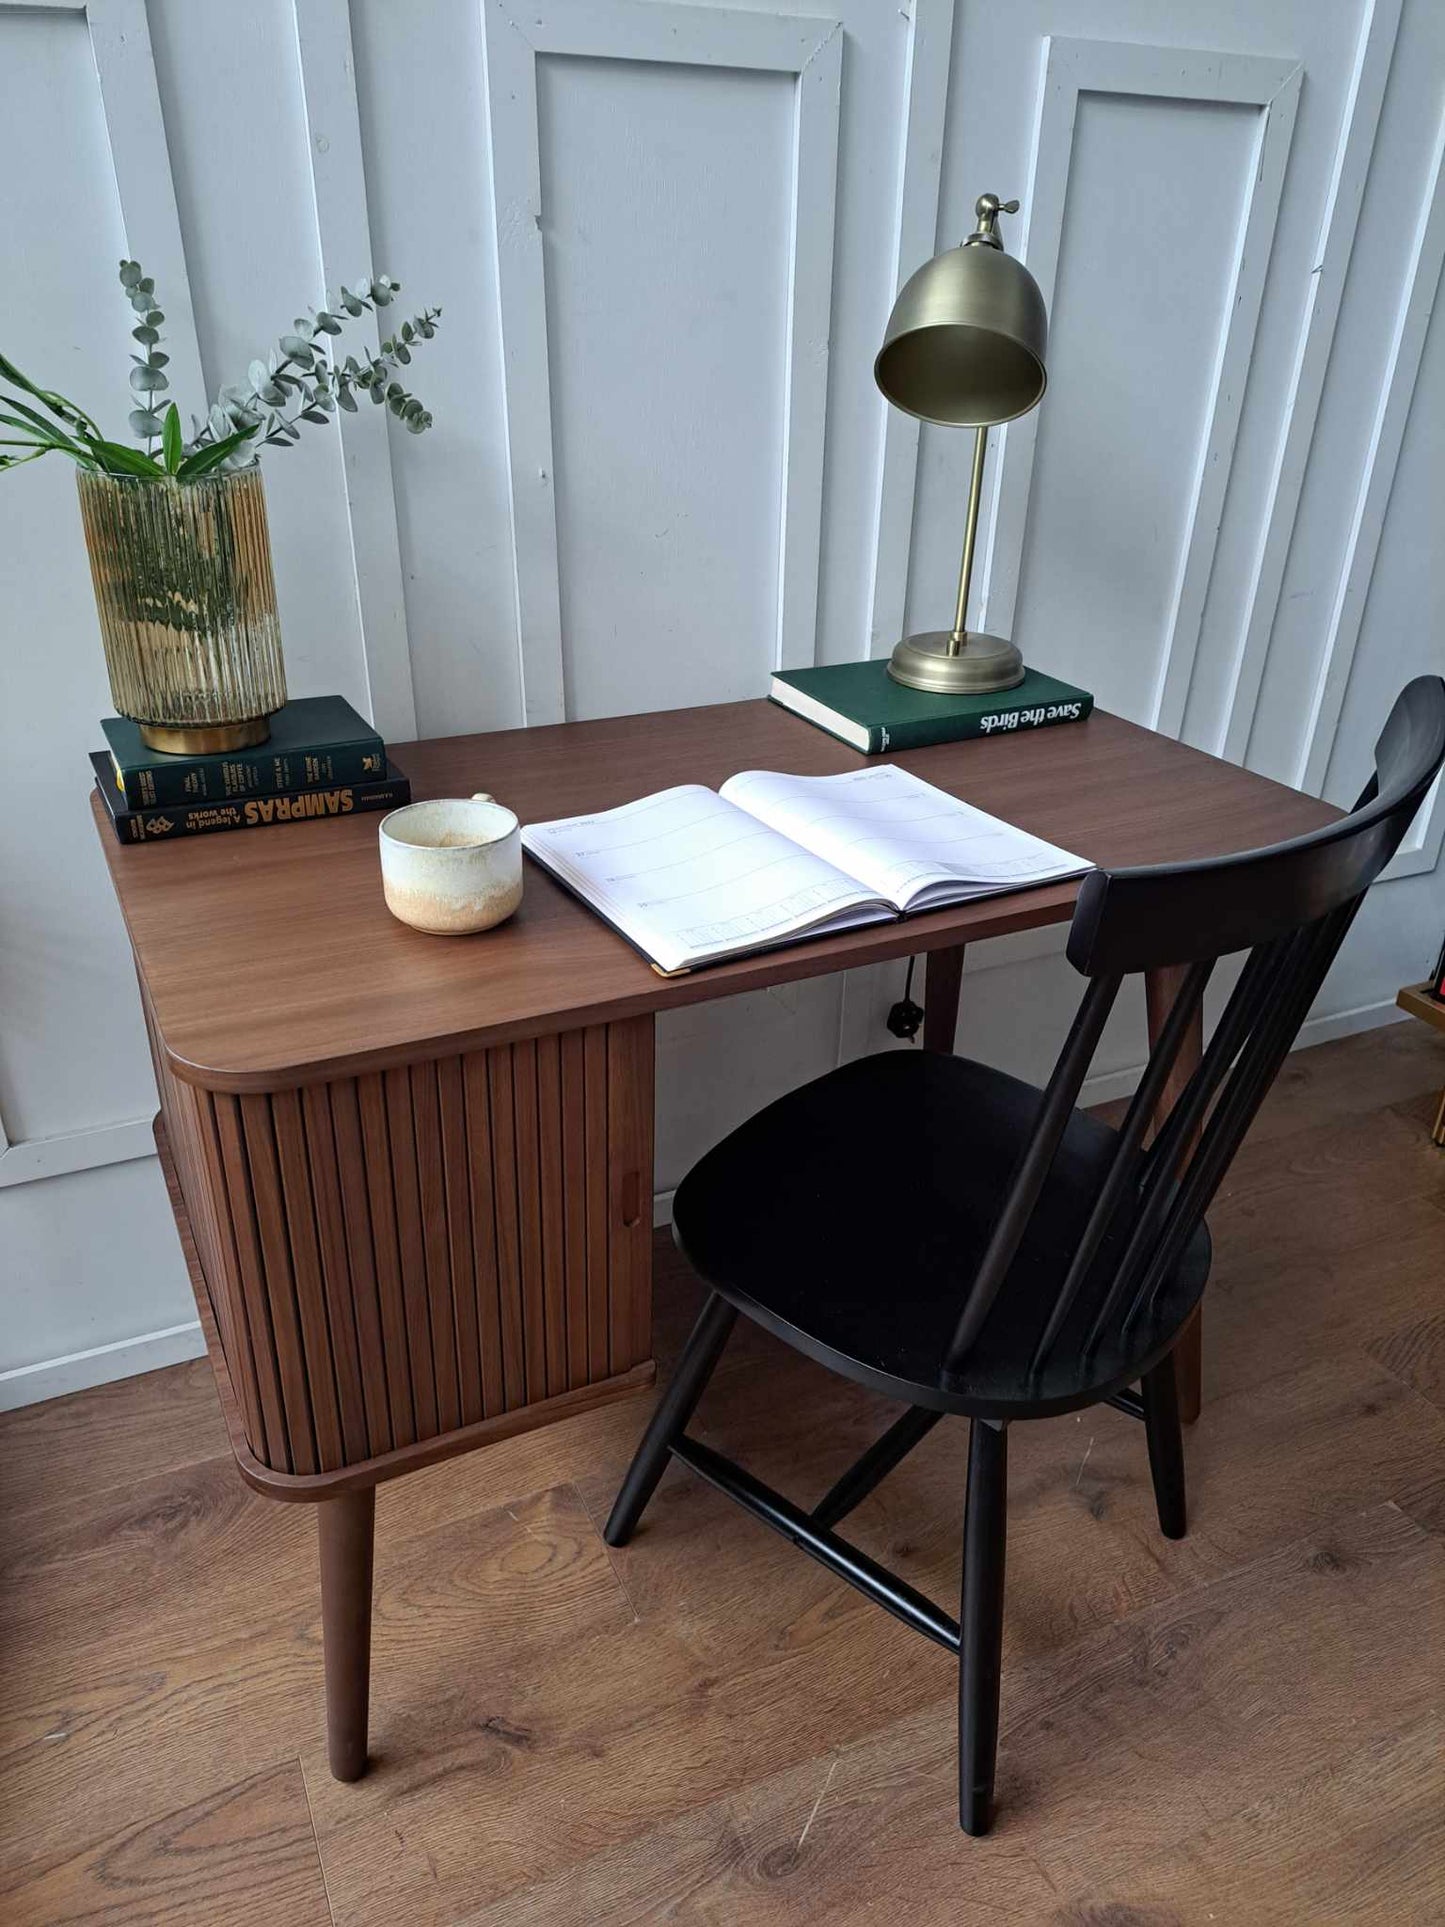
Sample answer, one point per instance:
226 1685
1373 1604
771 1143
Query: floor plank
68 1448
705 1727
244 1857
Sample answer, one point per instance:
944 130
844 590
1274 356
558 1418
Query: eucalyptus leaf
144 423
130 274
259 374
145 335
347 400
147 381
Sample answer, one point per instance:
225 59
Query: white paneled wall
665 238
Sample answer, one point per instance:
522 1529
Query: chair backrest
1289 906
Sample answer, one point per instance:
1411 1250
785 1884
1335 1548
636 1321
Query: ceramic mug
452 865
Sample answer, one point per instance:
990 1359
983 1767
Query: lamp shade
966 340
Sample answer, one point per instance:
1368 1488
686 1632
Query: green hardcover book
316 742
166 823
860 703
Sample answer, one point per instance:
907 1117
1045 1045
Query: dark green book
860 703
166 822
316 742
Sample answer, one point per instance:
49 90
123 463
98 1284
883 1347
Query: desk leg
346 1527
1161 987
940 999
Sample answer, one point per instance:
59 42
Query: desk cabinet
420 1257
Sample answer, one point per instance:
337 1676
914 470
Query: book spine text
181 782
201 819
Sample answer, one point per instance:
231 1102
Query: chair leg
985 1531
1166 1447
677 1405
873 1468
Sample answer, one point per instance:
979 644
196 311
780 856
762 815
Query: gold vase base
205 739
934 662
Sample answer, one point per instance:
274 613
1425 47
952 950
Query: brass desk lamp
965 346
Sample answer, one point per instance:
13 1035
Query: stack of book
320 759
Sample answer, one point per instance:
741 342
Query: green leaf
146 284
402 352
298 349
314 415
172 440
140 302
46 431
130 274
347 400
67 411
116 458
147 381
203 460
147 337
144 423
219 421
328 324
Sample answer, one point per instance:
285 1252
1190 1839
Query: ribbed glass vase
187 603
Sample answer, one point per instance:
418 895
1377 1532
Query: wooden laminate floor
1244 1727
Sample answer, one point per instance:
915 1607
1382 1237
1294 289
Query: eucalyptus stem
298 382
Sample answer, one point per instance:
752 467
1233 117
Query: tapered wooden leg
1166 1447
1161 987
678 1403
980 1655
346 1528
941 982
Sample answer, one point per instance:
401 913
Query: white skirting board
78 1371
147 1352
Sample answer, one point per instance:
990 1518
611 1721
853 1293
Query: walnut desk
413 1175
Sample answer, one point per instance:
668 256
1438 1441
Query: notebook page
690 878
917 846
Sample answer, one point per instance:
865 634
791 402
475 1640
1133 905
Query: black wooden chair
969 1244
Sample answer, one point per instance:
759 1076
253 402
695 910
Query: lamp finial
987 209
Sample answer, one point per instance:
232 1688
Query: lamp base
205 739
930 662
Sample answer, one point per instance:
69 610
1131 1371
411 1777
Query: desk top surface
271 959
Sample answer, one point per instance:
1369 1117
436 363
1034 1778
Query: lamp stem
970 536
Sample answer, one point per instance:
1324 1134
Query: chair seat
850 1217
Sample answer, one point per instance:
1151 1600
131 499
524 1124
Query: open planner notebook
693 875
